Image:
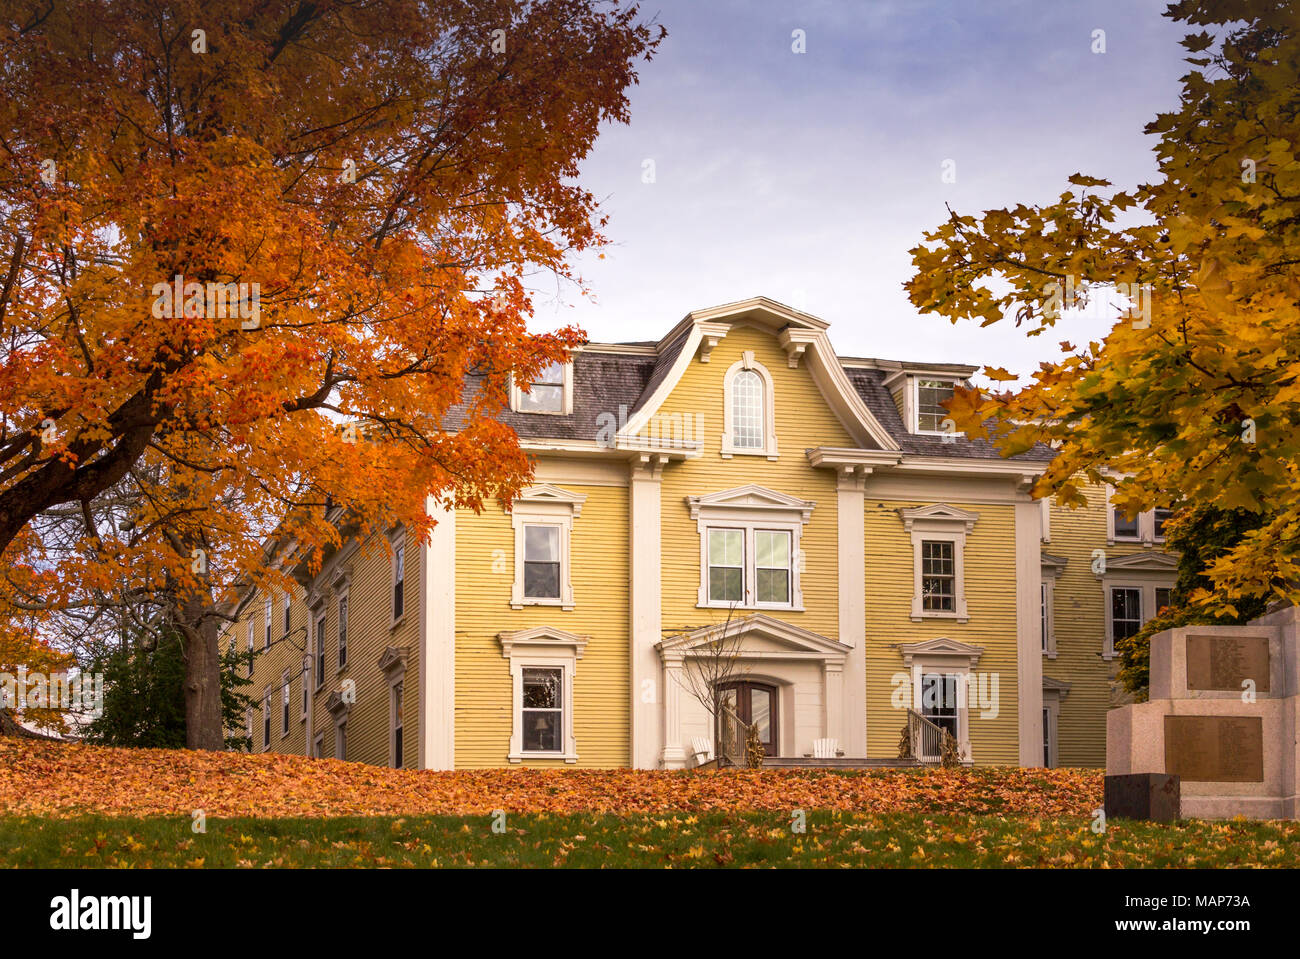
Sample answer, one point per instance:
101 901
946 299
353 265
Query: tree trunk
203 729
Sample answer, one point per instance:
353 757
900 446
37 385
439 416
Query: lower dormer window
550 391
930 397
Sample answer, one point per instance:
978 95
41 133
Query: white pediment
942 648
540 638
1146 562
544 494
936 516
1054 563
750 497
757 636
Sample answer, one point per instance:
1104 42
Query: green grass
675 839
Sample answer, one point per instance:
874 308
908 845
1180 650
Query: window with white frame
284 704
1147 527
320 650
252 641
1134 588
749 548
749 409
343 631
938 576
550 391
543 661
938 556
266 639
942 672
318 746
306 685
939 699
1125 612
542 712
341 739
395 722
1051 568
543 518
266 719
399 578
541 561
931 394
1054 693
288 608
248 721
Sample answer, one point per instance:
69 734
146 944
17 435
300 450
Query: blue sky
807 177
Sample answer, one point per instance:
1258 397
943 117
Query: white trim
1029 641
542 647
1146 526
948 657
706 328
397 540
912 403
1050 569
645 535
939 523
566 403
747 363
436 727
545 505
751 509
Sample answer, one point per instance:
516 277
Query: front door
756 705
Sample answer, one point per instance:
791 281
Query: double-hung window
343 631
549 392
284 704
750 567
320 650
930 397
726 566
938 576
399 580
266 639
266 719
772 566
1125 611
541 561
543 710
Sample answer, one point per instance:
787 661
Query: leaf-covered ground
645 840
55 779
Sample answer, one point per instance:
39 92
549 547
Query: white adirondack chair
825 748
702 750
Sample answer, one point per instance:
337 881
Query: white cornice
541 638
751 497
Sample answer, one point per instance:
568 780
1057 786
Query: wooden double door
755 704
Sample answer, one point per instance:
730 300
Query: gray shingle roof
604 381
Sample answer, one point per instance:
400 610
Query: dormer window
930 397
550 391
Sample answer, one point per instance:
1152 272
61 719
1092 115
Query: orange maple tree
226 228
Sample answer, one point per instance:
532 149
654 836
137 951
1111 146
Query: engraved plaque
1222 662
1215 749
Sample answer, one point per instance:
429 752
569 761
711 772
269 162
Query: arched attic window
749 407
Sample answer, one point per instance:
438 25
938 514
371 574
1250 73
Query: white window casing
939 523
752 510
545 505
1052 567
542 647
766 407
946 657
537 403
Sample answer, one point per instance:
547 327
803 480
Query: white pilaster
437 742
648 682
851 727
1029 642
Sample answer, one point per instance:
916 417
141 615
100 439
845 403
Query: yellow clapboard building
733 509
